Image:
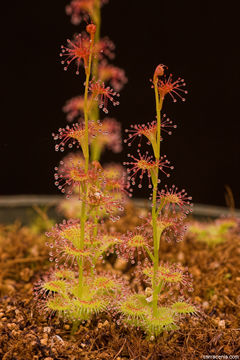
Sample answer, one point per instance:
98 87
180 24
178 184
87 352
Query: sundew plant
75 289
163 302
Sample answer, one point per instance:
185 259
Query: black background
196 40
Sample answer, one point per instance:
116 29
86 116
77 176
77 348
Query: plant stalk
86 156
95 151
159 103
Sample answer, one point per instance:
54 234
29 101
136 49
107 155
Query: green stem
160 286
95 151
149 252
75 327
159 102
86 156
97 21
95 221
161 206
88 71
156 260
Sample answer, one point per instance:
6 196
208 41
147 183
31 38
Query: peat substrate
26 334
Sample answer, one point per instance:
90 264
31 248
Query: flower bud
91 29
159 70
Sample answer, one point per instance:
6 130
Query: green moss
212 233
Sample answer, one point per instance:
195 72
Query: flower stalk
95 152
97 22
156 241
91 29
